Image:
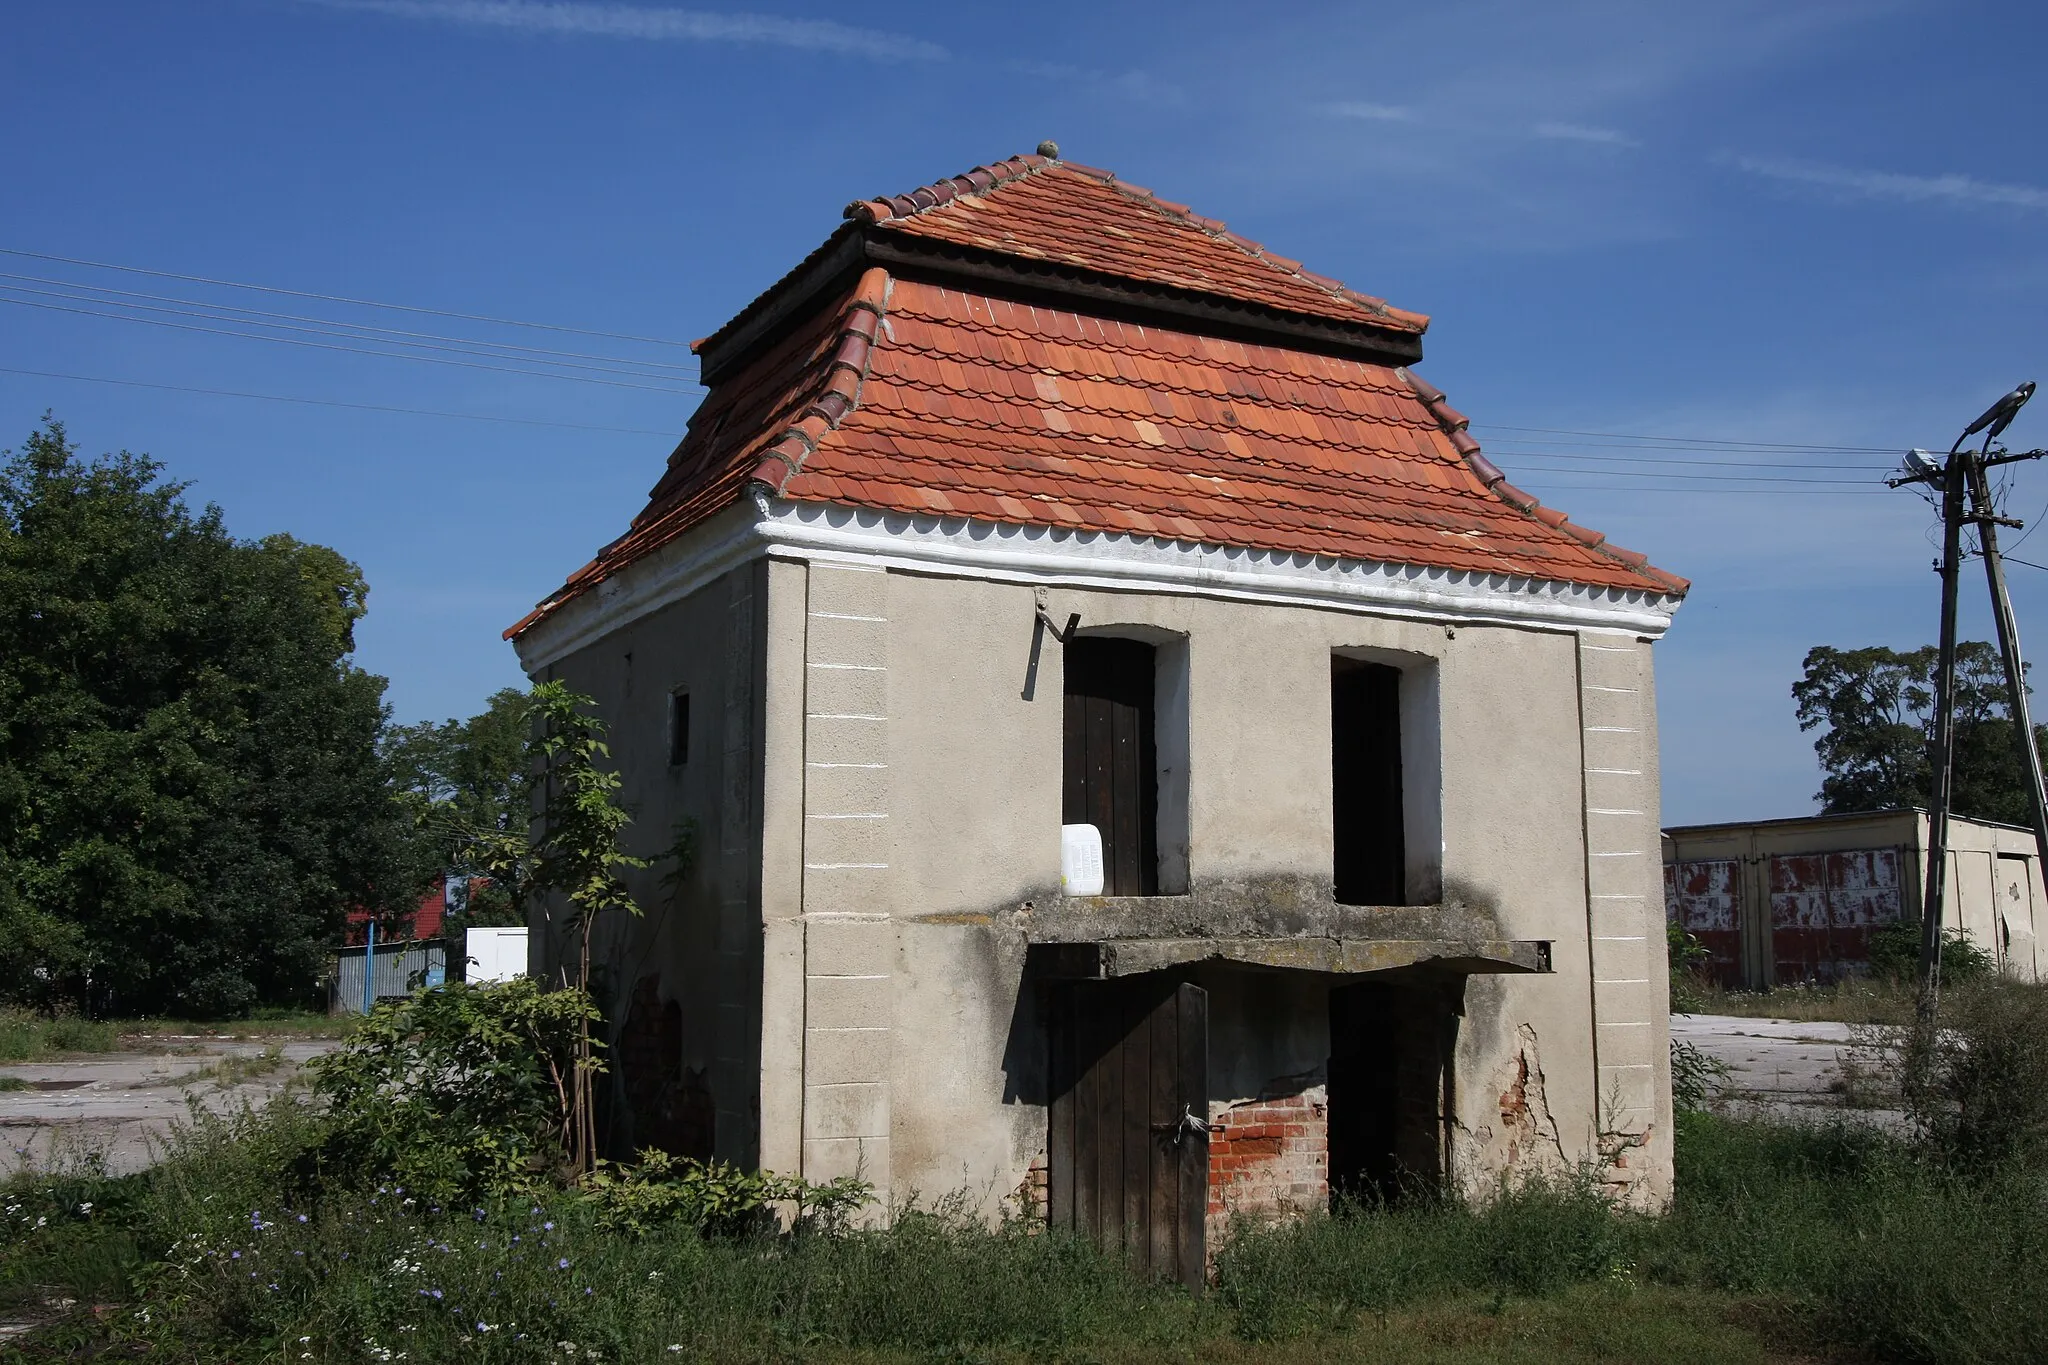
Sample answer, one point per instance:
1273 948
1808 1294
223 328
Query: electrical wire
337 403
1498 454
338 298
85 293
1702 441
352 350
1574 489
334 331
1709 478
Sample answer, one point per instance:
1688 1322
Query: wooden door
1110 766
1128 1150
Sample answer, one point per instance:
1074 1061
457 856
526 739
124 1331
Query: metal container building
1784 901
400 969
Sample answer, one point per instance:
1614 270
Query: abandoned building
1782 902
1143 760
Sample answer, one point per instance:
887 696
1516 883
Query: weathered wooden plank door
1128 1151
1110 767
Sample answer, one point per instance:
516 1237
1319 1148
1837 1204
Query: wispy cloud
1580 132
1893 186
649 24
1377 113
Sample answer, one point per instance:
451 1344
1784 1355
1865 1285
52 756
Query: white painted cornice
1053 557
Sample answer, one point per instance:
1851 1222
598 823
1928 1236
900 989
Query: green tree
461 778
191 792
1874 708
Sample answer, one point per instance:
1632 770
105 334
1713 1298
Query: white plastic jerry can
1080 860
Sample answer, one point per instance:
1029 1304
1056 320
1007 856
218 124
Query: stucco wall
699 944
971 789
876 781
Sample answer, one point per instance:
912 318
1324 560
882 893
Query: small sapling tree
569 858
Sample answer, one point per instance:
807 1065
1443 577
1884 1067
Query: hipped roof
1039 343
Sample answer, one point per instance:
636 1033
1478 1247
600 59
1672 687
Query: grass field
29 1037
1859 1000
280 1235
1784 1245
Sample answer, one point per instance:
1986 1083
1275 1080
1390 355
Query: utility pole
2009 648
1961 473
1944 736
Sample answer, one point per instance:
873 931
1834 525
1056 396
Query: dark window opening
678 729
1390 1088
1365 776
1110 763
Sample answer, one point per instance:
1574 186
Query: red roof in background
426 917
933 398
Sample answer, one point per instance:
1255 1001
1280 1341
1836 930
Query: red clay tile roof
920 397
1080 216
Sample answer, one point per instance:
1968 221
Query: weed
1695 1075
28 1037
232 1071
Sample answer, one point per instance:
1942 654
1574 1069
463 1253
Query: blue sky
1797 224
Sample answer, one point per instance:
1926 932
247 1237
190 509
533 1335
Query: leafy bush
1976 1080
1895 955
459 1090
1694 1075
713 1198
1690 960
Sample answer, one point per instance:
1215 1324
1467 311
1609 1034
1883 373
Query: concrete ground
118 1104
1791 1070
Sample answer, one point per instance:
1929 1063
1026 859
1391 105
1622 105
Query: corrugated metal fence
401 968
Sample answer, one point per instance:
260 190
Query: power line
343 331
338 298
353 350
1710 478
1693 440
335 403
1712 464
84 293
1573 489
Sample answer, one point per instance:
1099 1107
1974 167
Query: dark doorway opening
1391 1087
1110 764
1128 1142
1365 783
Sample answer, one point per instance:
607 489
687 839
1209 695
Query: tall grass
28 1037
238 1238
242 1245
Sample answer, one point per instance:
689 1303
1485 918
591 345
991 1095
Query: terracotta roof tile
927 398
1084 216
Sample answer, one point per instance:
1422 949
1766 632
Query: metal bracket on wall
1051 626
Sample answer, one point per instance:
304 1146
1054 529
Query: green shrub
1895 955
1691 962
458 1090
1976 1080
713 1198
1694 1075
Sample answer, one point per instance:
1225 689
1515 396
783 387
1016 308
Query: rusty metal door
1128 1150
1704 899
1823 907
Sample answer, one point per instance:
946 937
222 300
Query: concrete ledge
1102 959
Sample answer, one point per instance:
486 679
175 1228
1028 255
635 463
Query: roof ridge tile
988 179
846 375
